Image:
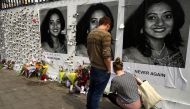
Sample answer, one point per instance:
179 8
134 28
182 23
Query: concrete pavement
18 92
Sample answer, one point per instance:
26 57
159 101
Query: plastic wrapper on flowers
61 76
72 76
7 64
44 69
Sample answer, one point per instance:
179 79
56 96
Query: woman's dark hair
84 23
117 64
133 37
44 28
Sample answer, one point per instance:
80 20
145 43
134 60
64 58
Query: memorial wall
26 34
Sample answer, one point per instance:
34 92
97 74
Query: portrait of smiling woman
90 20
152 34
53 38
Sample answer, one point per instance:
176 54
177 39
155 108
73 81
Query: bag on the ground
149 95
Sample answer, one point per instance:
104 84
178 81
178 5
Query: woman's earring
141 31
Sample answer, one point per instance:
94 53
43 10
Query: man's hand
107 61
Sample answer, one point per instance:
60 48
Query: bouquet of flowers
61 74
72 76
4 64
43 70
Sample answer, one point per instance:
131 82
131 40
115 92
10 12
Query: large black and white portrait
156 32
89 16
53 29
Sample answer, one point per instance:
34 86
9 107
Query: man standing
99 51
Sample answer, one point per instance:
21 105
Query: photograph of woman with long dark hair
53 38
152 34
88 22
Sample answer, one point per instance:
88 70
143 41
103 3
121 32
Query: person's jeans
98 81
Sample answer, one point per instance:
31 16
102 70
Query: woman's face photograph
159 21
94 20
54 25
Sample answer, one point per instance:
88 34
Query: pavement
19 92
